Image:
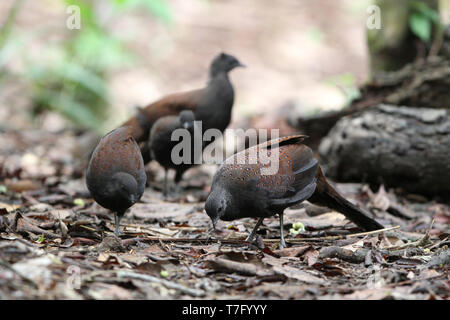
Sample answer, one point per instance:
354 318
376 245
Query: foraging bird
239 188
161 144
212 104
115 176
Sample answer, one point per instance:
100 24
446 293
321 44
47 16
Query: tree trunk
425 84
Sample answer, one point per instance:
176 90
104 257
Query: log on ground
398 146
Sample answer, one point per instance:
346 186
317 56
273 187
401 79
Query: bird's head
126 187
218 205
187 119
224 63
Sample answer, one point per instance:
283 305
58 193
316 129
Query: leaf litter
57 243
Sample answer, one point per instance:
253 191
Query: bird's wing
173 104
295 180
283 141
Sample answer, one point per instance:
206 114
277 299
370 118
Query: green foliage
69 75
297 228
159 8
422 19
164 273
79 202
420 26
41 239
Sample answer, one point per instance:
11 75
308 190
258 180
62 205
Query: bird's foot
282 244
118 233
250 238
117 218
210 233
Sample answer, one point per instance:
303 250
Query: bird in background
212 104
240 190
161 143
115 176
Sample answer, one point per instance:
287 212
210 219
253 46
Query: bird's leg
282 242
165 182
253 233
208 234
117 222
177 189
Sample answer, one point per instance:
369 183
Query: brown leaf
295 273
111 243
293 251
226 265
311 256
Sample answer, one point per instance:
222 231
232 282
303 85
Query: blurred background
309 54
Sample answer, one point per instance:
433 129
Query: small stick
171 239
185 228
437 244
148 229
425 240
297 240
244 242
87 228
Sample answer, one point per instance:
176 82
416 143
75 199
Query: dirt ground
56 243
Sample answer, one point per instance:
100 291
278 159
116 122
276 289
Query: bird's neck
219 85
217 76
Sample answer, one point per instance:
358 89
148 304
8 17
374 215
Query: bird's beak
241 65
132 198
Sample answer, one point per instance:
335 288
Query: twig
437 244
299 240
166 283
188 229
146 229
244 242
87 228
172 239
425 240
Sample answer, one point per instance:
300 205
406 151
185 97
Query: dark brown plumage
212 105
239 189
115 176
161 144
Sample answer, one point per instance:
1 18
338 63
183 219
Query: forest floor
57 243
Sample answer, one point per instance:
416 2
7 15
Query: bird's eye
219 209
